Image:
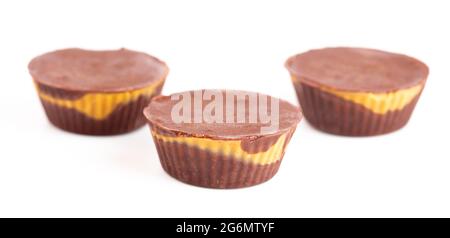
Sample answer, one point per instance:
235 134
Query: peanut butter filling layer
379 103
231 148
99 106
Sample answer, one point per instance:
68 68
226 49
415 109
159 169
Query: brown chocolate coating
125 118
159 115
97 71
209 168
335 115
357 69
263 143
213 170
60 93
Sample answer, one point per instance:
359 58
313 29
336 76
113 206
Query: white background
46 172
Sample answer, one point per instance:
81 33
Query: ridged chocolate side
125 118
332 114
203 168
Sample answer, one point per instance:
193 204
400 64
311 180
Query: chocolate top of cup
97 71
357 69
162 110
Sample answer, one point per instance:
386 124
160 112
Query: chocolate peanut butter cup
97 92
221 138
357 91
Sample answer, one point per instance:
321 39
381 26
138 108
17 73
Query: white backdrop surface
46 172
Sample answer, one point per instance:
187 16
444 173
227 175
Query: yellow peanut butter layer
380 103
230 148
100 105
